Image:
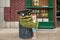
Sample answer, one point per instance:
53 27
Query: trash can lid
24 11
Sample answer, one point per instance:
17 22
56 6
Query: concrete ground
42 34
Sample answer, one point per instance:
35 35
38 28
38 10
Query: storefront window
42 14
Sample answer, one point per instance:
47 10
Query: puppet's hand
34 21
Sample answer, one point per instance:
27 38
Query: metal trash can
24 32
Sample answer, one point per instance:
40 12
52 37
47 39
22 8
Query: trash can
24 32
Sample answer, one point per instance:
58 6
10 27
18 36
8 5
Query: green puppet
26 19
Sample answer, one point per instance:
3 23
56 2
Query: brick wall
10 13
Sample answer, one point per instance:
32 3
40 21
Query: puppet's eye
29 13
22 14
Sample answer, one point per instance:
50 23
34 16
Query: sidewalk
42 34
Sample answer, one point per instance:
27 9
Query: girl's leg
34 33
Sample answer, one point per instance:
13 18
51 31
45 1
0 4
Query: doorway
58 13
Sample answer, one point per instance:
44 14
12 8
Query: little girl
34 29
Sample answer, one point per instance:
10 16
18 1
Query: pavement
42 34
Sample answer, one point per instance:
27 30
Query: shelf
39 7
58 16
58 6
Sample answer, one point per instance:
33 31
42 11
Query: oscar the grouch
26 19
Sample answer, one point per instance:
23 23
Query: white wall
11 24
4 3
1 16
